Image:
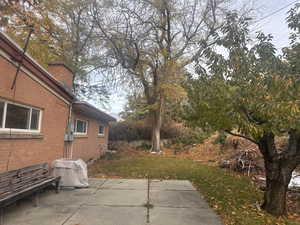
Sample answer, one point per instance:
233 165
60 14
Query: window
1 113
34 125
101 130
19 117
81 127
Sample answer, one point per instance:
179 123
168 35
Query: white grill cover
73 172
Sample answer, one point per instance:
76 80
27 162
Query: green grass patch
231 196
109 156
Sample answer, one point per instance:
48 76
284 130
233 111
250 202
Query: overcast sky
274 24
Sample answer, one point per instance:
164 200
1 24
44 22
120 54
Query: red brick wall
16 153
61 73
90 146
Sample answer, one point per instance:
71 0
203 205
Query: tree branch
242 136
250 118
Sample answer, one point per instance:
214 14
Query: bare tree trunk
278 176
156 125
277 181
279 166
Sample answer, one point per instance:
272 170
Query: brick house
39 113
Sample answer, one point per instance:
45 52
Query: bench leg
36 199
57 186
1 216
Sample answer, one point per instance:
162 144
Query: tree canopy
251 89
248 90
63 32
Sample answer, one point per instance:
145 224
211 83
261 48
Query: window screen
17 117
101 129
81 126
35 116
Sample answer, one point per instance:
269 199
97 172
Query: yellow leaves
232 89
151 107
244 207
295 109
42 46
173 91
260 213
251 130
164 52
158 4
256 132
215 206
161 4
171 67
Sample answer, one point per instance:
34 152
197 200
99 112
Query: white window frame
86 128
101 134
2 126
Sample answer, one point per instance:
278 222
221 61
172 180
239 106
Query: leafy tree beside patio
251 92
151 44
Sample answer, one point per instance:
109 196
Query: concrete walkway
117 202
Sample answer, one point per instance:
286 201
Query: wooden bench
19 183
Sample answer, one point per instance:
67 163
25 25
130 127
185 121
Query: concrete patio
117 202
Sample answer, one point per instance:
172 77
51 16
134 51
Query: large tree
152 42
249 91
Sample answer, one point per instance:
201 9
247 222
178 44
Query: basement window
80 127
101 130
18 117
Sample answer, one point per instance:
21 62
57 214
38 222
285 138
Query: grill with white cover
73 172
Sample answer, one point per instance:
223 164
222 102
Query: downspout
70 113
69 153
70 122
69 143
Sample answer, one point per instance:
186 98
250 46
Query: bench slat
19 172
42 165
23 187
22 182
15 181
27 191
23 175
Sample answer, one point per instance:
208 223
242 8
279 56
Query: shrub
189 136
220 139
129 131
144 147
177 134
139 130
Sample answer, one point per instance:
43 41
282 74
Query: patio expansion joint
120 189
69 217
83 204
100 187
141 206
177 207
171 190
115 206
